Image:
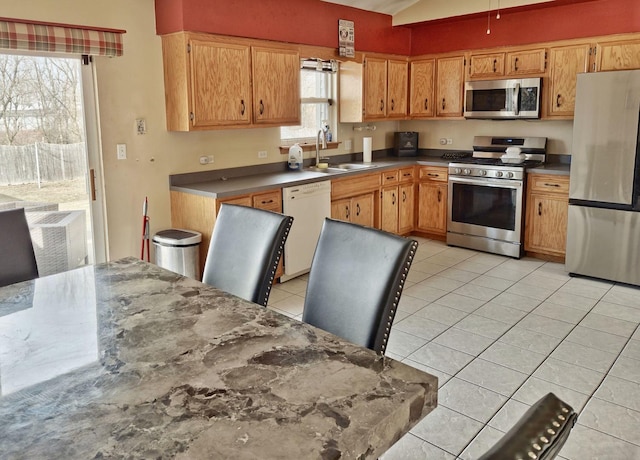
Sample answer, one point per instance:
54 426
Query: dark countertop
217 186
128 360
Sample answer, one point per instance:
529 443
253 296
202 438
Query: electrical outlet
121 150
141 126
449 141
262 154
348 144
206 159
443 141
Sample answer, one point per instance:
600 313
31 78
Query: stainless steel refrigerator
603 233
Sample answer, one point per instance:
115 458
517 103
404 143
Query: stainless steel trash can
179 251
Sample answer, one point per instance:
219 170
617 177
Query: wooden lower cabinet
406 214
358 210
198 213
547 207
432 199
397 201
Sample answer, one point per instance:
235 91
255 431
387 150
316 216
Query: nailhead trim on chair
275 265
412 252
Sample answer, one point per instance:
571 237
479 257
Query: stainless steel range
486 195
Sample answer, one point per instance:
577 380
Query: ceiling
413 11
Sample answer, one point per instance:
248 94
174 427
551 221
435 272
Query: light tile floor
500 333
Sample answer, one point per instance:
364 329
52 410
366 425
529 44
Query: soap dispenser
295 157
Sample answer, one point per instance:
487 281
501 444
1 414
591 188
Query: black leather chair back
17 259
539 434
244 252
356 279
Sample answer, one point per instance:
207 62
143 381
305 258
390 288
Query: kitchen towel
366 150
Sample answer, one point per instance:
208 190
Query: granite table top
128 360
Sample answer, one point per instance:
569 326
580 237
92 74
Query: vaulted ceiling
414 11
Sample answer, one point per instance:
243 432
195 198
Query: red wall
313 22
519 26
309 22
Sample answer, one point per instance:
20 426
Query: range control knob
456 170
498 173
483 172
509 174
466 172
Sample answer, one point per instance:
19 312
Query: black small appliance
405 144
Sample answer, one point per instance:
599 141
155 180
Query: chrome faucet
319 136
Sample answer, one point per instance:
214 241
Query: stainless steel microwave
502 99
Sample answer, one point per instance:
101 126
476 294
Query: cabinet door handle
551 185
558 100
381 105
357 209
393 104
404 196
515 65
443 103
495 61
426 103
393 198
261 107
347 208
540 208
439 196
242 107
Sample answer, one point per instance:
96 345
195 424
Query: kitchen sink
349 166
329 170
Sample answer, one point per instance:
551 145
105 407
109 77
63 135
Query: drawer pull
267 202
407 174
391 177
433 175
551 185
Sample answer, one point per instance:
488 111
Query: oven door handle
516 96
487 182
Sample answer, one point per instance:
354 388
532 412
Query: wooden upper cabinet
397 75
619 55
375 88
276 86
220 84
450 79
206 82
526 62
486 65
565 63
421 91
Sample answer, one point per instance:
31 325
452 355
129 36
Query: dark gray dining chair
539 434
356 279
244 251
17 258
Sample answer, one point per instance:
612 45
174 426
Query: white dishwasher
308 204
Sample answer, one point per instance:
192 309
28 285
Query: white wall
132 86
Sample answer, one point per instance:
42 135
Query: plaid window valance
16 34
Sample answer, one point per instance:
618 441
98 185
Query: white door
50 159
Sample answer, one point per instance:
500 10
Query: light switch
122 151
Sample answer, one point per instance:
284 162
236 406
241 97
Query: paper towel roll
366 150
